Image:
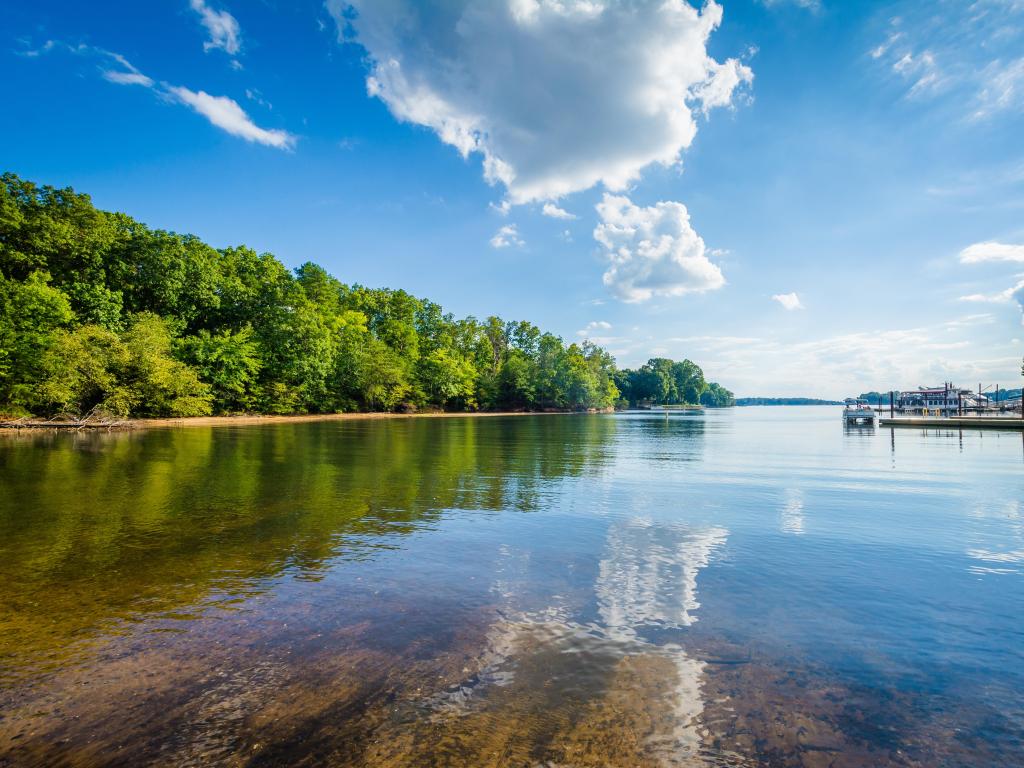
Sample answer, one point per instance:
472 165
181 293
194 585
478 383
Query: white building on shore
946 400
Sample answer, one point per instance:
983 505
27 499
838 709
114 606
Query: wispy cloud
255 96
811 5
227 115
1001 297
31 53
221 111
594 325
970 51
221 26
127 75
991 251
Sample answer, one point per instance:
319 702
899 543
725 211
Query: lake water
754 586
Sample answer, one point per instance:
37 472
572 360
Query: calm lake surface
755 586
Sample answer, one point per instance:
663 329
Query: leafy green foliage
717 396
661 381
93 368
32 313
97 311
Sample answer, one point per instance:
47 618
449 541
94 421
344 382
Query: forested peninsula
101 315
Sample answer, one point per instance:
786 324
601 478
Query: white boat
858 412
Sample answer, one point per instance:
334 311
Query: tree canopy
98 311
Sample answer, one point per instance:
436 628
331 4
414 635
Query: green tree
449 378
229 362
31 314
99 311
717 396
92 368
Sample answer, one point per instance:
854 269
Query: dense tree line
785 401
668 382
98 312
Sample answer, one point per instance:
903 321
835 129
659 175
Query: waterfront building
946 400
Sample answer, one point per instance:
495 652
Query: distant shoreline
747 402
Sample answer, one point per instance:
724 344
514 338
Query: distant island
785 401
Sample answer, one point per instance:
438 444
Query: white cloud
991 251
227 115
553 211
970 51
1014 294
996 298
848 363
32 53
555 95
506 236
594 325
789 301
653 251
1002 87
128 74
812 5
501 208
221 111
127 78
221 26
253 94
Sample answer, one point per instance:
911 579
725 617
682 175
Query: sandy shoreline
256 419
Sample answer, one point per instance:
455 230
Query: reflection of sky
648 574
793 512
1008 557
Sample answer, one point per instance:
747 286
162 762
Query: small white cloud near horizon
554 212
789 301
844 363
594 325
221 26
991 251
653 251
610 87
226 114
507 237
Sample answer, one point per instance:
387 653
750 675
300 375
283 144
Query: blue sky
805 198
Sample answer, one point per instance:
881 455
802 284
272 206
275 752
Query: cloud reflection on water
646 585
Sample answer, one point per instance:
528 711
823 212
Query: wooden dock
958 422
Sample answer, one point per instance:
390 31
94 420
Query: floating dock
959 422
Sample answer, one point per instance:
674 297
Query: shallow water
756 586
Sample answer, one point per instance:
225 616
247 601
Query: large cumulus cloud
653 251
555 95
